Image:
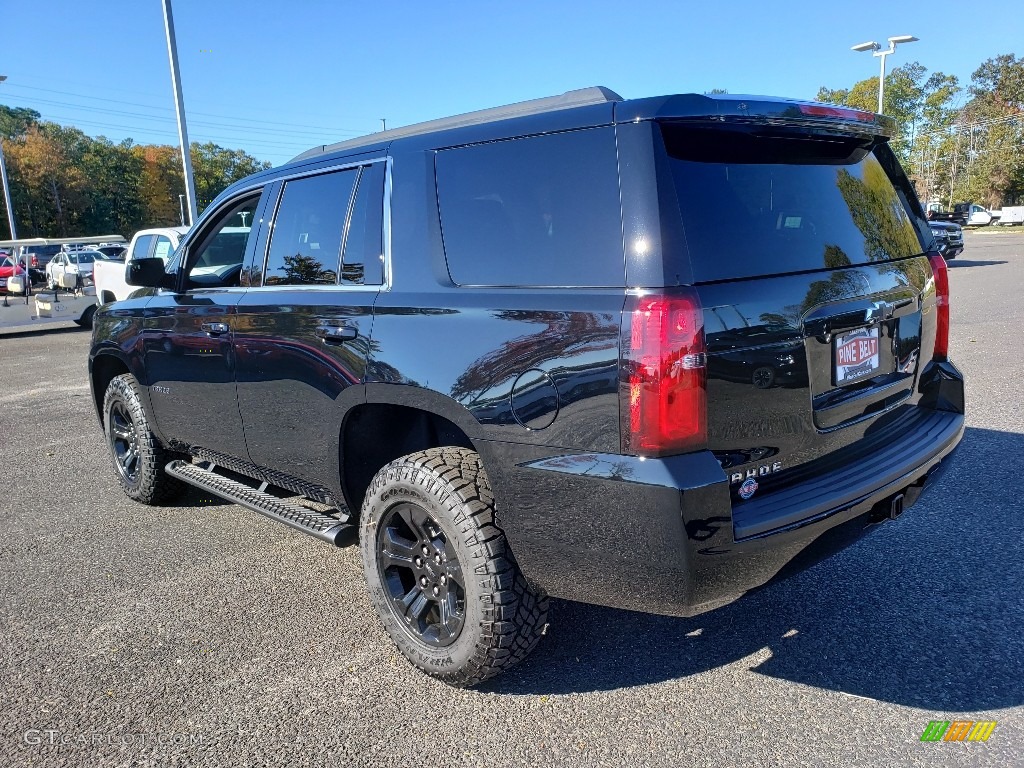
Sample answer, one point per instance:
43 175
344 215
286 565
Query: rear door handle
215 329
336 334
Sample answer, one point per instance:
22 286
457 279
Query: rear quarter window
537 211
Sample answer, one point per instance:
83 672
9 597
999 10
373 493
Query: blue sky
277 78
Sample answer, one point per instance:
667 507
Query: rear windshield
755 204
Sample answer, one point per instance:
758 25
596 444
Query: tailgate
807 252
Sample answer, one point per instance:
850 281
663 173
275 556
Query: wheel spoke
414 518
120 432
128 459
453 571
397 550
450 619
415 605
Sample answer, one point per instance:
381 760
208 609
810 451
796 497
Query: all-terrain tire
127 429
504 616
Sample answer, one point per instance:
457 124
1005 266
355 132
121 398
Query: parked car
111 252
949 238
78 263
480 345
7 270
37 257
158 243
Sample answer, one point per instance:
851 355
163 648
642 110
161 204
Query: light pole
7 190
876 50
179 109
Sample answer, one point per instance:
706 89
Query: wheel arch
104 365
394 421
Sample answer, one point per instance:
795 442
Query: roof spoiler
765 110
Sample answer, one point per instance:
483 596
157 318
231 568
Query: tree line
957 142
67 184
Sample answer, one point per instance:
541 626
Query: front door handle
336 334
215 329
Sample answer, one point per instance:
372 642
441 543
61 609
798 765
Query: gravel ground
203 634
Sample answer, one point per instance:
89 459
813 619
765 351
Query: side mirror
147 273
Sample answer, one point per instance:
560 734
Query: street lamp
876 50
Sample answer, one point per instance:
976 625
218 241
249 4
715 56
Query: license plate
856 355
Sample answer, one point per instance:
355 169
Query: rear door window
305 248
757 204
537 211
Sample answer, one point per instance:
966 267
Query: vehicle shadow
954 263
923 612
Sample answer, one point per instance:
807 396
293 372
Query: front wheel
138 457
440 572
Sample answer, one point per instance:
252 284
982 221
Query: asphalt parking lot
203 634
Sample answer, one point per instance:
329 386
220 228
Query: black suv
640 353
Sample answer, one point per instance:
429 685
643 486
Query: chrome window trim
187 239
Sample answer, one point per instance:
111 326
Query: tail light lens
35 261
664 381
941 276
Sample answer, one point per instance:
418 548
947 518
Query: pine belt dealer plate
856 355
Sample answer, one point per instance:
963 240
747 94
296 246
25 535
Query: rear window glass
539 211
770 204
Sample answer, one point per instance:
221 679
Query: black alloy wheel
124 442
441 574
421 574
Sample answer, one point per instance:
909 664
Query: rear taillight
941 276
35 262
664 383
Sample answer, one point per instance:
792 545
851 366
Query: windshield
80 258
769 204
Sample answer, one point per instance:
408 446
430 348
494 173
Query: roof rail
582 97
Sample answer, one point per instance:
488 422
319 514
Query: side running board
338 532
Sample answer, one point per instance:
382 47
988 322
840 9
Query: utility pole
7 189
179 108
384 122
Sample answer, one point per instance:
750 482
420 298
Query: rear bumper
663 535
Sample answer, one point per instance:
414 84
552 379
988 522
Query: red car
8 270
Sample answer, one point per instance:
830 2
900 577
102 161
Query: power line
316 135
168 109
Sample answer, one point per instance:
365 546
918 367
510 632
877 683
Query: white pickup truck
108 276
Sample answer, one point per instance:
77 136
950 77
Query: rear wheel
86 319
138 457
440 572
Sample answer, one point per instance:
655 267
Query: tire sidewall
116 393
409 486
